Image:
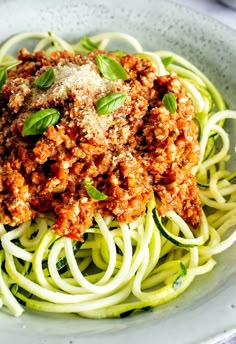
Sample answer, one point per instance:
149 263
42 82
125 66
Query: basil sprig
109 68
40 121
113 101
87 44
93 192
3 72
45 80
169 101
167 60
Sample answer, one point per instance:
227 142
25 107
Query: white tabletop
213 8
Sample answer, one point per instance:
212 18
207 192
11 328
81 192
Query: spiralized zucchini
121 269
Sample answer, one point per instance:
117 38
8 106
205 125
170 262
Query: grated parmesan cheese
71 77
83 81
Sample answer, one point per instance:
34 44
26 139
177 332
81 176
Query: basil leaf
3 72
87 44
119 53
113 101
3 78
109 68
93 192
45 80
40 121
169 101
167 60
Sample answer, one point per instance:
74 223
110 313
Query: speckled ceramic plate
208 308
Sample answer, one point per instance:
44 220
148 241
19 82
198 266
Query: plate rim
221 335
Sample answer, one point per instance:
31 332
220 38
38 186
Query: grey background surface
213 8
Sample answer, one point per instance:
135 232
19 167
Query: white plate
208 308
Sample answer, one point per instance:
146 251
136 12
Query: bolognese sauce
136 150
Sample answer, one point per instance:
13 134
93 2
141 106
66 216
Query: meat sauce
137 150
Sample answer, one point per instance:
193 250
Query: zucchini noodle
121 268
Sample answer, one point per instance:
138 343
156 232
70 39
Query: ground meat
136 150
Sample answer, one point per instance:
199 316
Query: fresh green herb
93 192
3 77
45 80
109 68
167 60
3 72
113 101
119 53
179 279
40 121
87 44
169 101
